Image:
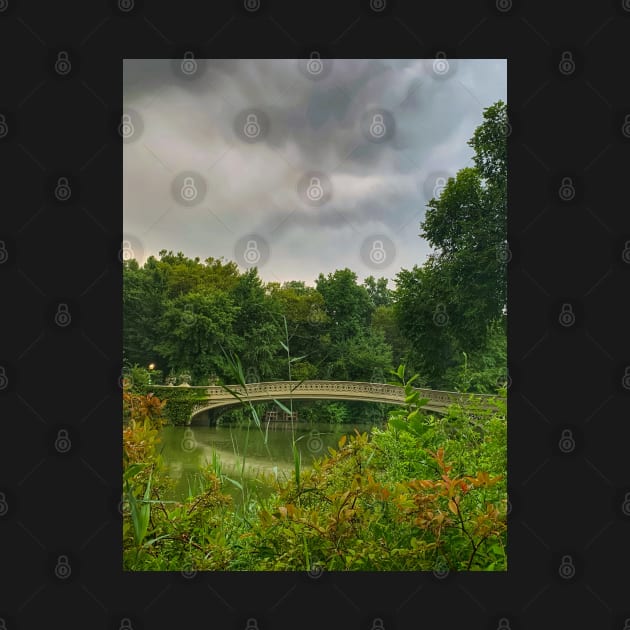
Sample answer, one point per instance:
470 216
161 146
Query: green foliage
403 500
379 293
360 356
348 304
449 306
193 328
385 322
483 372
179 402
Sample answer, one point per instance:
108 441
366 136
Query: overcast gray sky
296 166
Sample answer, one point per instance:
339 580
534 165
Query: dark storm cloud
192 124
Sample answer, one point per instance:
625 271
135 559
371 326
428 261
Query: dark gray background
567 256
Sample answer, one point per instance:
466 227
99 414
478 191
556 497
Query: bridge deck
332 390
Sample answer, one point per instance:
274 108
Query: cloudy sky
296 166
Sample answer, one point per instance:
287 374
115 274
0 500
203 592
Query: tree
193 330
143 306
385 322
347 303
450 304
379 294
365 354
307 324
423 318
257 327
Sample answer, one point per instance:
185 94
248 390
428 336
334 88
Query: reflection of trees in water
183 466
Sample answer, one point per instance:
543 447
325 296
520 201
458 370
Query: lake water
186 450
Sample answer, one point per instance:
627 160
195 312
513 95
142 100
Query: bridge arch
438 401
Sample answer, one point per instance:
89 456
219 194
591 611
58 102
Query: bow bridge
216 396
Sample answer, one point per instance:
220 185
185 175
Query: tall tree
449 305
256 327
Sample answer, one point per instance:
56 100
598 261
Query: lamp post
151 367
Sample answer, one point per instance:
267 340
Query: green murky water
186 450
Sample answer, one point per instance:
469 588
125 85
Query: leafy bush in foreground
422 494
